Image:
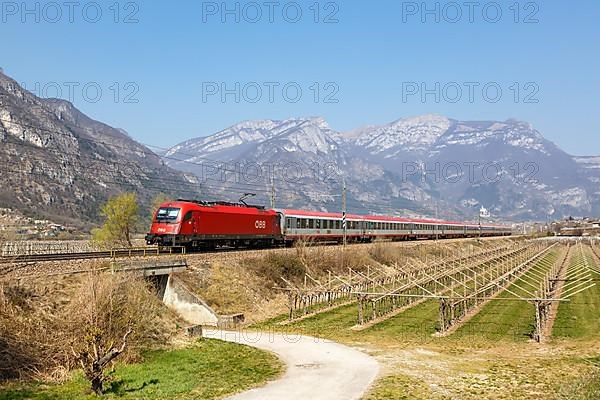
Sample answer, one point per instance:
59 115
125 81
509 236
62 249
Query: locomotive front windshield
167 214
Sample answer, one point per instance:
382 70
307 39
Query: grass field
491 356
509 319
207 370
580 318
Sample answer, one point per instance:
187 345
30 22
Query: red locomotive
198 224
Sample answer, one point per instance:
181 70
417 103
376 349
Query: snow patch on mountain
413 134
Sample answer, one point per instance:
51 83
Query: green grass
509 319
209 370
580 318
488 357
399 387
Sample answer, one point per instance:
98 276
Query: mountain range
59 164
423 165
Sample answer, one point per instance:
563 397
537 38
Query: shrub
49 328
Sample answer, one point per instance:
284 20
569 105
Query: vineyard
531 285
502 319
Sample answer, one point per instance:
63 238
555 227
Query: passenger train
207 225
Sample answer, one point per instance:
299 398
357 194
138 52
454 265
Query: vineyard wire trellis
545 296
305 301
375 306
454 312
551 286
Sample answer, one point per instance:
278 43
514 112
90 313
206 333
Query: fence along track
19 262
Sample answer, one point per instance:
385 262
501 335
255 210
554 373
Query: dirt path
317 369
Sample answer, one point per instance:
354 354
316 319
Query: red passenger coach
207 225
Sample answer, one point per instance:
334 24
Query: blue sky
355 62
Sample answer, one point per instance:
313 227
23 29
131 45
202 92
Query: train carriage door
279 227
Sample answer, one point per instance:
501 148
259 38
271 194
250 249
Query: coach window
318 224
311 224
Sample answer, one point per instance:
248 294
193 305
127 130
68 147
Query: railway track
148 252
92 255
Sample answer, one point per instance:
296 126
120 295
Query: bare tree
110 314
95 357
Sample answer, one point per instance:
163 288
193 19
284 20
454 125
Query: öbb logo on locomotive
200 224
260 224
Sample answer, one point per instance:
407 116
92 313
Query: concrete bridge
175 294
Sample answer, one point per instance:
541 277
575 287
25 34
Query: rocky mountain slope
414 166
57 163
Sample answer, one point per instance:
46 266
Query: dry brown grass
41 321
247 284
